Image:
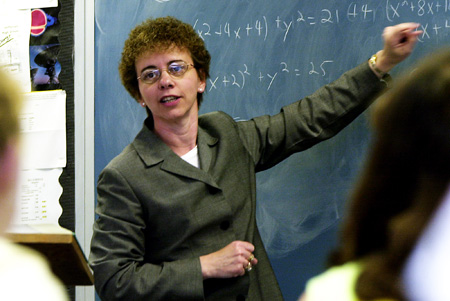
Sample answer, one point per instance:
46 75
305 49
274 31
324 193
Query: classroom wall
266 54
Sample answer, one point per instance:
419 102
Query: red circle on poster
38 22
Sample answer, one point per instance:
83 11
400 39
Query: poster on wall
44 48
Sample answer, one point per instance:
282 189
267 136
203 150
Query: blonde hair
10 102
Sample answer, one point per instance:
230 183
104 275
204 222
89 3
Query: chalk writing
259 28
239 79
283 26
395 9
287 25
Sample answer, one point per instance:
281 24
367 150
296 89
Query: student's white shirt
25 275
427 272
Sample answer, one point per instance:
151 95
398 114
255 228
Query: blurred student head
9 129
404 181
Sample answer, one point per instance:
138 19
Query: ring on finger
251 258
248 267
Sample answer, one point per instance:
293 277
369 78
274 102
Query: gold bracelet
373 63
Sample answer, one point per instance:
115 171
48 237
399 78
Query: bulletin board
51 46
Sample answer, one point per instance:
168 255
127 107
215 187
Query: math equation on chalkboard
282 29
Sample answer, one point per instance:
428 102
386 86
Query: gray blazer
157 214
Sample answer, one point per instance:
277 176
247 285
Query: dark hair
161 34
406 175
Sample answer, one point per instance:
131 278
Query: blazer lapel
160 153
206 148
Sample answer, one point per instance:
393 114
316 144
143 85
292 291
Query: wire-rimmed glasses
175 69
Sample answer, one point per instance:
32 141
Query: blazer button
225 225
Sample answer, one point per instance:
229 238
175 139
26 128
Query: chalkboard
266 54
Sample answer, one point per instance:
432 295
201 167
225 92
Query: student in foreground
426 275
24 274
177 208
403 187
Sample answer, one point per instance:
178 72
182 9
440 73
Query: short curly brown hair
161 34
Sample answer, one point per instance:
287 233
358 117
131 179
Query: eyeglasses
175 69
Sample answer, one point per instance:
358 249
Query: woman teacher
176 209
